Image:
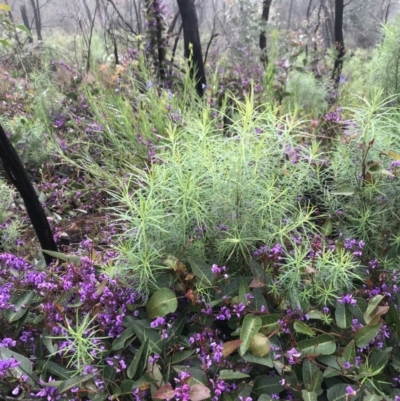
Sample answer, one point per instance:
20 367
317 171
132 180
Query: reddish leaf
165 392
257 282
231 346
199 392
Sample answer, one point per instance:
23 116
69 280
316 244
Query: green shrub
385 66
10 227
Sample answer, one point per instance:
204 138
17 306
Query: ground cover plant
236 244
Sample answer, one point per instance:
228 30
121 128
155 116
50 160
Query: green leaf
226 374
48 343
65 258
315 314
162 302
25 365
143 381
55 369
119 342
371 397
372 304
243 290
358 309
116 391
269 323
374 168
76 381
5 42
251 325
182 356
127 386
379 358
256 268
177 327
349 354
326 229
366 334
258 302
143 331
265 360
338 392
139 362
396 362
343 316
308 396
312 377
345 190
302 328
25 29
321 345
267 385
263 397
21 303
203 272
333 368
5 7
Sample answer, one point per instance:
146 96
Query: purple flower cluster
6 366
355 246
347 299
80 284
208 347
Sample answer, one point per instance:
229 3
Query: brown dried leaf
231 346
199 392
257 282
165 392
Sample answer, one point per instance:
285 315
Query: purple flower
6 365
215 269
160 321
7 342
347 365
350 390
347 299
292 355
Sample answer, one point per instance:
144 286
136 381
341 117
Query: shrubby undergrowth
250 248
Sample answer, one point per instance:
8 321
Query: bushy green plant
29 139
306 92
222 194
10 228
385 65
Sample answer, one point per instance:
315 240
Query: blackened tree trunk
339 41
156 28
19 177
263 34
192 43
25 20
290 14
328 24
37 18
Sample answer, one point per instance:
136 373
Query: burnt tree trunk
263 34
17 174
156 28
25 20
192 43
37 18
339 41
290 14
